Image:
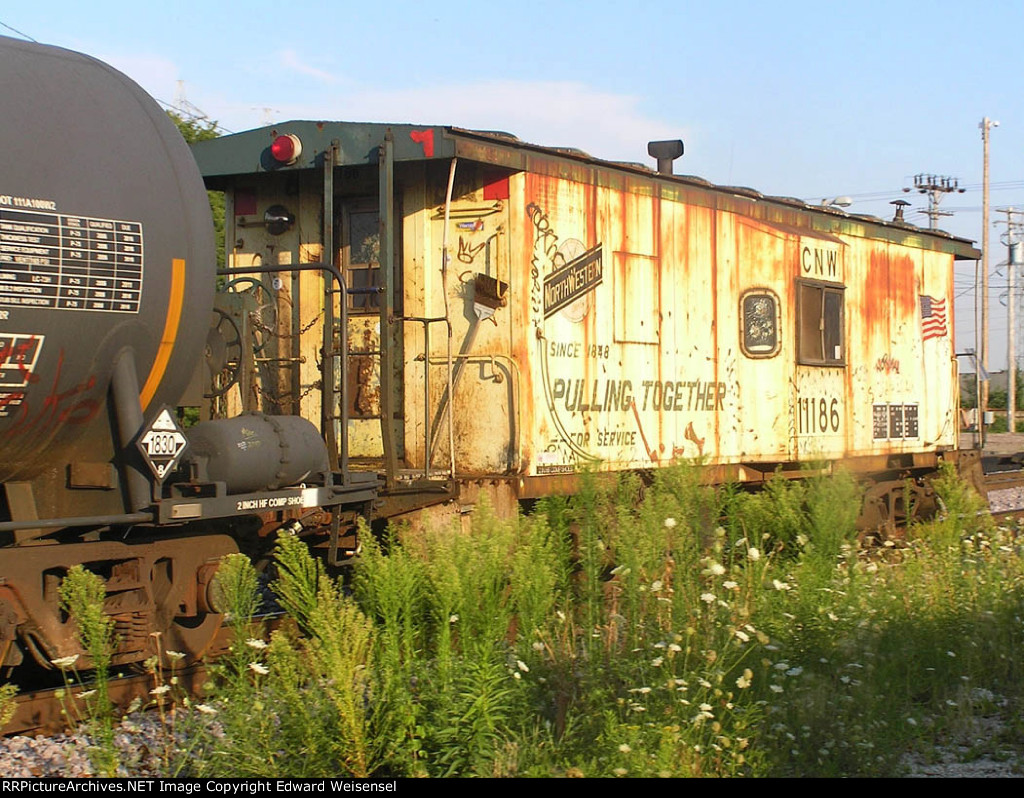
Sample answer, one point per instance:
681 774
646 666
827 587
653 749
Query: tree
196 129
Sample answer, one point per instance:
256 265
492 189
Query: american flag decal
933 317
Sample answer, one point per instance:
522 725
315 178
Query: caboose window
363 261
820 324
759 323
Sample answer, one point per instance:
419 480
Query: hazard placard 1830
162 444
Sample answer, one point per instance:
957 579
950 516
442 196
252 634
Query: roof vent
665 152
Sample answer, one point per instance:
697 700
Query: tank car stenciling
602 315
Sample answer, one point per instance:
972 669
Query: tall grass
668 629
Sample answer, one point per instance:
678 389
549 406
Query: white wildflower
64 662
522 666
517 675
951 654
781 585
206 709
743 682
175 656
454 618
742 635
86 694
624 747
656 585
716 568
657 661
674 647
728 584
776 688
795 671
537 645
708 598
160 690
256 668
620 771
252 642
753 554
670 523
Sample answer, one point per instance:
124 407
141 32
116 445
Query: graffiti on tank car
58 407
888 364
18 354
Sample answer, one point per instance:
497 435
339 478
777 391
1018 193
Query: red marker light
286 149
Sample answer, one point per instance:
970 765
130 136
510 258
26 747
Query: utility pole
986 125
1013 259
935 186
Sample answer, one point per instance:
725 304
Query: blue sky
801 99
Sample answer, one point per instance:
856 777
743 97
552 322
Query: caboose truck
474 314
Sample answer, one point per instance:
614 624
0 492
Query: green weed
656 629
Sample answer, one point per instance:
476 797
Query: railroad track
48 711
1004 485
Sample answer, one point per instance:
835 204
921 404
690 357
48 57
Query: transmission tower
935 186
1013 238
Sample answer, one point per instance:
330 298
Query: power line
19 32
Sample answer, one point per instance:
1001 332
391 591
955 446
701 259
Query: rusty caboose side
581 313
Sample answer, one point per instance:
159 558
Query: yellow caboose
462 311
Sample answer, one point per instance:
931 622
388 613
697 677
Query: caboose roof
358 144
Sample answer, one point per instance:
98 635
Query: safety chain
287 397
258 324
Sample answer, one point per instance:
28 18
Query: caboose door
358 226
819 418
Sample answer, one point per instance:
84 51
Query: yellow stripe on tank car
170 335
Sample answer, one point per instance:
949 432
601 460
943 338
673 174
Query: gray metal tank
106 248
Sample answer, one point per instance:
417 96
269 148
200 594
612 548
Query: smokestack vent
665 152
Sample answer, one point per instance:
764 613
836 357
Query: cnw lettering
820 262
